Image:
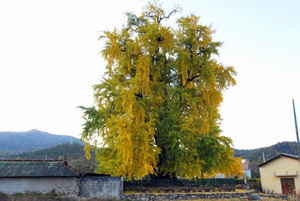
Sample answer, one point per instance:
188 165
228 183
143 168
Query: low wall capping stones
183 196
192 196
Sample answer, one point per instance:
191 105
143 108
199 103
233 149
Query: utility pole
296 127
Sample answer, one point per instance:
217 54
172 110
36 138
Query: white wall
247 173
66 185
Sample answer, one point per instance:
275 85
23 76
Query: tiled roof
245 164
36 168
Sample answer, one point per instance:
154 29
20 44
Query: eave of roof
46 160
281 155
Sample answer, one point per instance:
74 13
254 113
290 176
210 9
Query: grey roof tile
36 168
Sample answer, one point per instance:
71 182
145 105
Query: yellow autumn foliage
156 109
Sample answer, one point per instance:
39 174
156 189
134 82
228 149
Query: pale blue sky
49 60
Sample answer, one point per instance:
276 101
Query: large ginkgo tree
156 109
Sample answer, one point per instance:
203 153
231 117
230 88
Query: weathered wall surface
101 187
65 185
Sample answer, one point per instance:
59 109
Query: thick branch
194 77
173 11
190 79
159 18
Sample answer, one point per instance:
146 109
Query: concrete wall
65 185
101 187
282 167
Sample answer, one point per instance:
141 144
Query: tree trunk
160 174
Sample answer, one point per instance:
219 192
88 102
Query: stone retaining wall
102 187
189 196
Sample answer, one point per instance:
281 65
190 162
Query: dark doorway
287 185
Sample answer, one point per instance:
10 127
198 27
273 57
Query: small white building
43 176
246 169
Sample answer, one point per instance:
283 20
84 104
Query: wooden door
287 185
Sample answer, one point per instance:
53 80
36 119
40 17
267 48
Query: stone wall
189 196
102 187
62 185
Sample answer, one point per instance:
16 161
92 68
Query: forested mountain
20 142
74 153
36 144
256 155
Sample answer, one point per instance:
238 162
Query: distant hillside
270 152
74 153
38 143
20 142
255 155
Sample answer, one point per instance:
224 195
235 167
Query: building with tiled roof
20 176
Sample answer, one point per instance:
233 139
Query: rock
255 197
4 197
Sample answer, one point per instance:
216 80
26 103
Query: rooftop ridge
33 160
36 168
278 156
70 167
